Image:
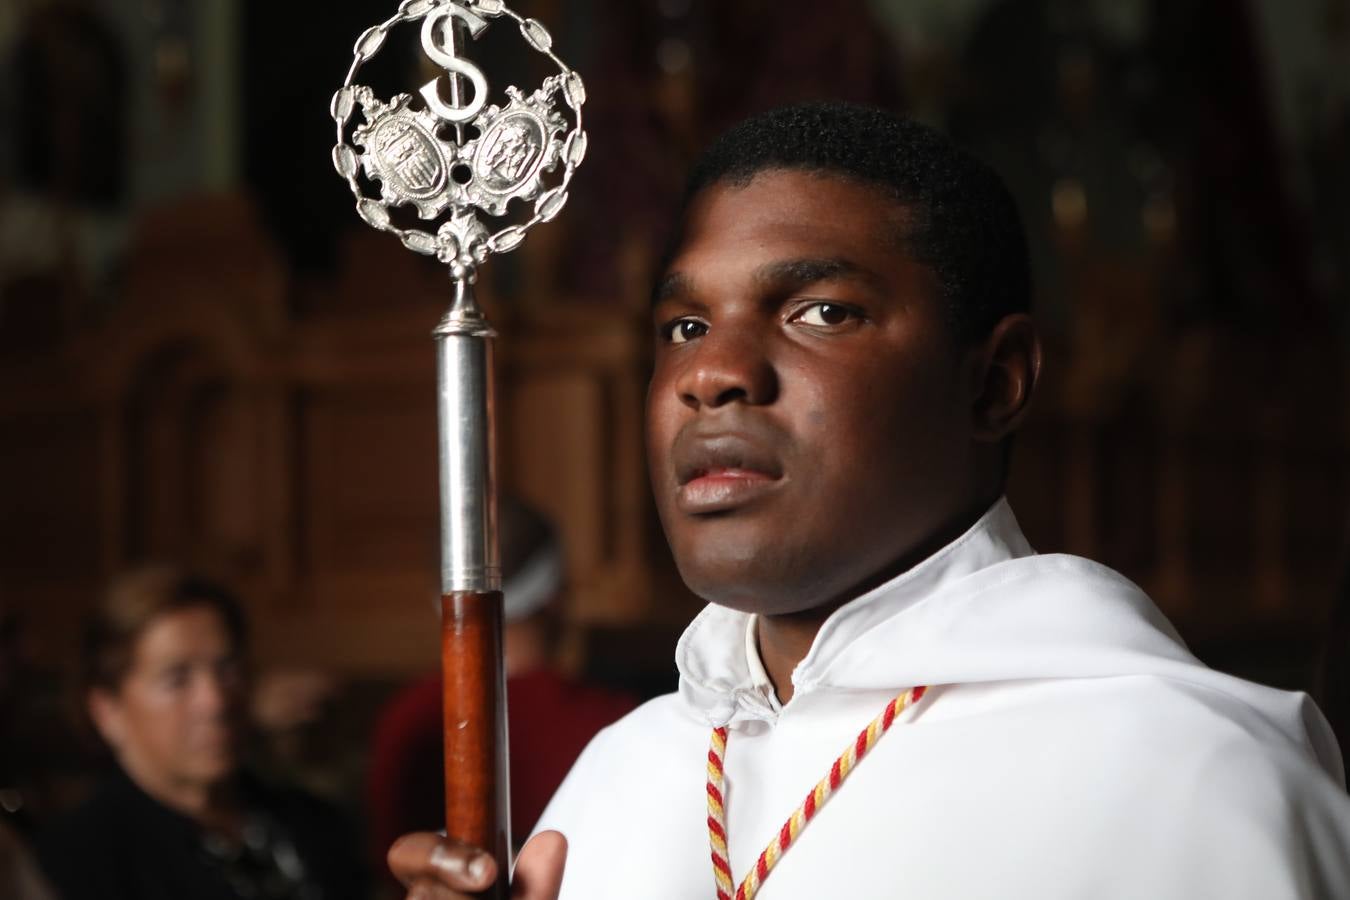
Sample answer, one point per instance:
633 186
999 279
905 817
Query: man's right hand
432 867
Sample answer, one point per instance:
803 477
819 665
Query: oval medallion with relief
509 152
409 155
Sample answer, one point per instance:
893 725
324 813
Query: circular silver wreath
416 167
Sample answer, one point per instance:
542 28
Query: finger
432 858
539 868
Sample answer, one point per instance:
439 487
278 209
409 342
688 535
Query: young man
843 354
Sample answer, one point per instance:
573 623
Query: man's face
808 422
175 720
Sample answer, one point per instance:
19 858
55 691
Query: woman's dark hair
132 602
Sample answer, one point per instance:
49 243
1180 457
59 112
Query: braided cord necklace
824 789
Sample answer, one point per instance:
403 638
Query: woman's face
175 722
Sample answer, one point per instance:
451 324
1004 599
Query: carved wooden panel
366 477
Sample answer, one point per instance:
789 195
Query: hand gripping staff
415 148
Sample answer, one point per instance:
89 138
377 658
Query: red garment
551 718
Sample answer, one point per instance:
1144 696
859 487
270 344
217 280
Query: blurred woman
164 685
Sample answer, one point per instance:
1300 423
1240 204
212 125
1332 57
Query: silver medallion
523 150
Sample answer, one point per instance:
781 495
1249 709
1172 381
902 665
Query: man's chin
748 588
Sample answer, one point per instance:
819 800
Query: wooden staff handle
477 796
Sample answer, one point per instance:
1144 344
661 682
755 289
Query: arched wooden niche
191 455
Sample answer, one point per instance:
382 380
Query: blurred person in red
551 716
165 684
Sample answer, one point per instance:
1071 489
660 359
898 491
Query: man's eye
684 330
824 315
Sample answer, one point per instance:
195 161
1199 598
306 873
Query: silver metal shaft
466 426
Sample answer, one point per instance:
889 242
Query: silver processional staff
415 148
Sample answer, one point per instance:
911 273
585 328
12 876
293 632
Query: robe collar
722 679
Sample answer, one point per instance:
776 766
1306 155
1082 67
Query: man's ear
105 711
1006 367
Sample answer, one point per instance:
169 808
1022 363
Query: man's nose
728 364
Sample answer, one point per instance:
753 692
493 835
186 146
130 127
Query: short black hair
961 222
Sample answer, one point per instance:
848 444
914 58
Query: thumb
539 868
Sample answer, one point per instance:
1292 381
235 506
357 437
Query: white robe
1070 747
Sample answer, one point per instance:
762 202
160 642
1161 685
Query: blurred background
206 356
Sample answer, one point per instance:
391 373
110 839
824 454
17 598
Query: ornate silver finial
456 181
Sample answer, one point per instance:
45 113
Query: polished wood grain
477 798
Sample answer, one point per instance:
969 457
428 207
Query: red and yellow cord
787 835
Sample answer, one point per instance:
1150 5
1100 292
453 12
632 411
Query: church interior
207 357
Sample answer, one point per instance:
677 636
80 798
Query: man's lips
716 473
720 490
